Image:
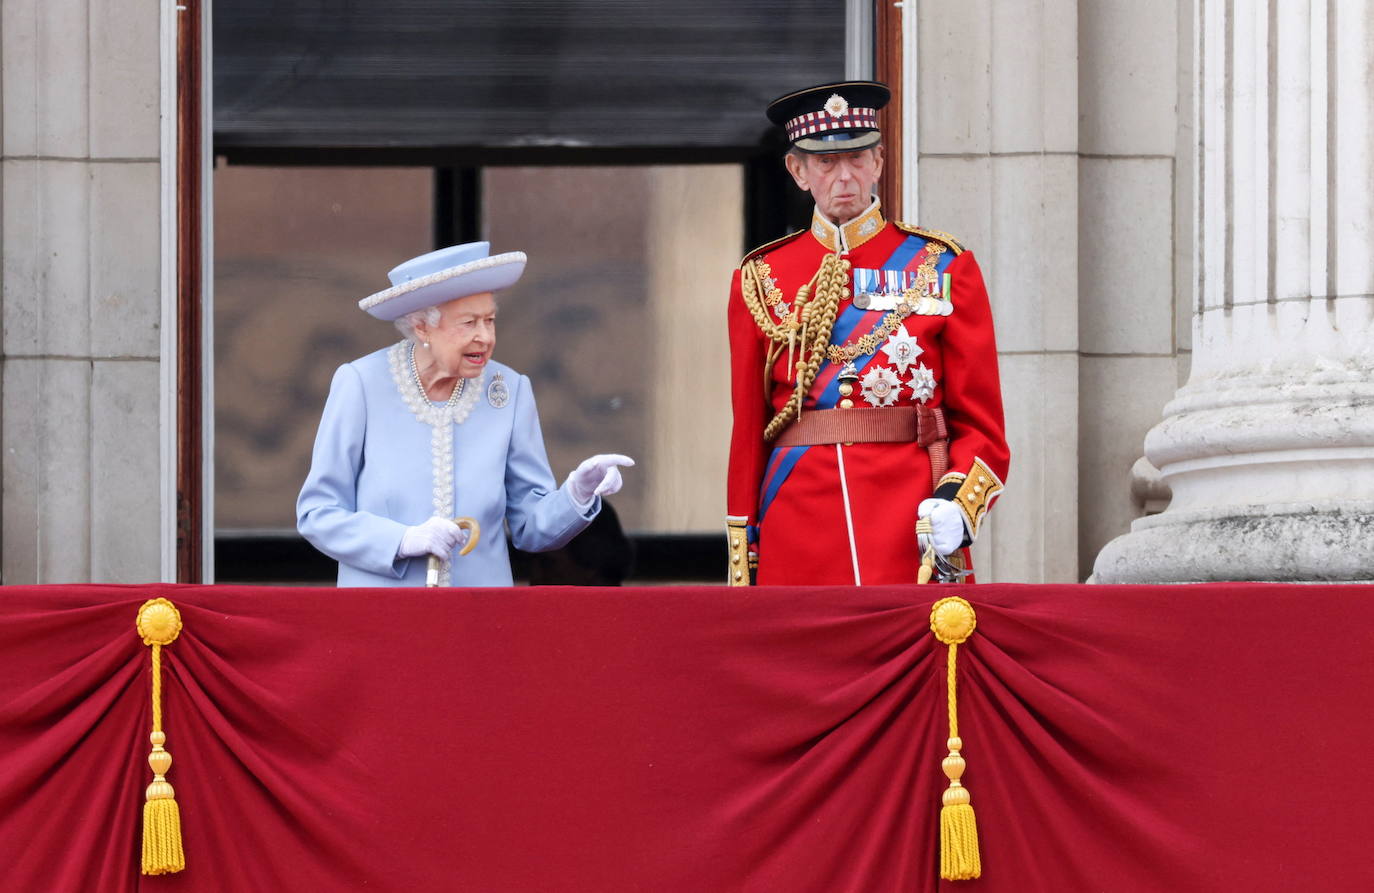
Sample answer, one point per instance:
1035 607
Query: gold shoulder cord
749 285
814 313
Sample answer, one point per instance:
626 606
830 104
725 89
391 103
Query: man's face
841 183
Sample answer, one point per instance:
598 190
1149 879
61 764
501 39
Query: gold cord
951 696
157 687
817 312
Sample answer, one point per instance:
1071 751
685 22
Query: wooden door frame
887 65
193 522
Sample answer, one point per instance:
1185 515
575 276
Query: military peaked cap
841 117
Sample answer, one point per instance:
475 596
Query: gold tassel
798 321
952 620
159 623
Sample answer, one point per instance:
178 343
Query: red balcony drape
1180 738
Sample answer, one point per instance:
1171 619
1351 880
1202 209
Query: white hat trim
482 263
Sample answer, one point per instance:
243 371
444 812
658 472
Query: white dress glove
946 525
437 536
597 476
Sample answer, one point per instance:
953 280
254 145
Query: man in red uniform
863 374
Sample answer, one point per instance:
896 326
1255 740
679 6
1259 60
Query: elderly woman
431 428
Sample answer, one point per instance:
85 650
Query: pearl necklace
441 419
415 377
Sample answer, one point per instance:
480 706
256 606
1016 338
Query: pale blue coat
370 479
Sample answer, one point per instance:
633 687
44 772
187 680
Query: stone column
80 162
1269 447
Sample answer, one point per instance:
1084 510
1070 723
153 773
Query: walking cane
468 524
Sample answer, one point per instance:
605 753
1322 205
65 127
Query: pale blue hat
443 275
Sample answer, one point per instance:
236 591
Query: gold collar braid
842 237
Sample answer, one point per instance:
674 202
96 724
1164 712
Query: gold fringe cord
953 620
159 623
816 311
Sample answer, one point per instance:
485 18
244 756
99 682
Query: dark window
623 145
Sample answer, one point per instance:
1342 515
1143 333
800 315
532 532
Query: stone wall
1048 136
1058 139
80 293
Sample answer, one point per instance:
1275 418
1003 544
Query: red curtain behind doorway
692 739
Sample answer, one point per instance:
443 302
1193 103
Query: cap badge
497 393
836 106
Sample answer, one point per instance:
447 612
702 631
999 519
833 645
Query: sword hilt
928 559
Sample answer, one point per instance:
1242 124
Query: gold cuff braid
740 559
977 491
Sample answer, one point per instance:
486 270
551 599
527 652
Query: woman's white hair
428 315
406 324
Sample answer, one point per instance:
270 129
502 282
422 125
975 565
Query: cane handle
475 531
472 527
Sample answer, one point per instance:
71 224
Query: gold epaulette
767 245
935 234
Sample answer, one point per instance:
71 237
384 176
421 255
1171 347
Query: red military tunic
845 513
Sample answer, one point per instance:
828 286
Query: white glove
437 536
946 525
597 476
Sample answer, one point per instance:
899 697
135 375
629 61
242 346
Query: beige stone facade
82 160
1058 139
1049 139
1268 449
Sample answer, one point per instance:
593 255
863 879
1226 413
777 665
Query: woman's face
462 341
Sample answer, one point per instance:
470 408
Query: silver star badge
902 349
922 383
881 386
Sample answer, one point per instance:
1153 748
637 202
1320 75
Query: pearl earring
425 345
